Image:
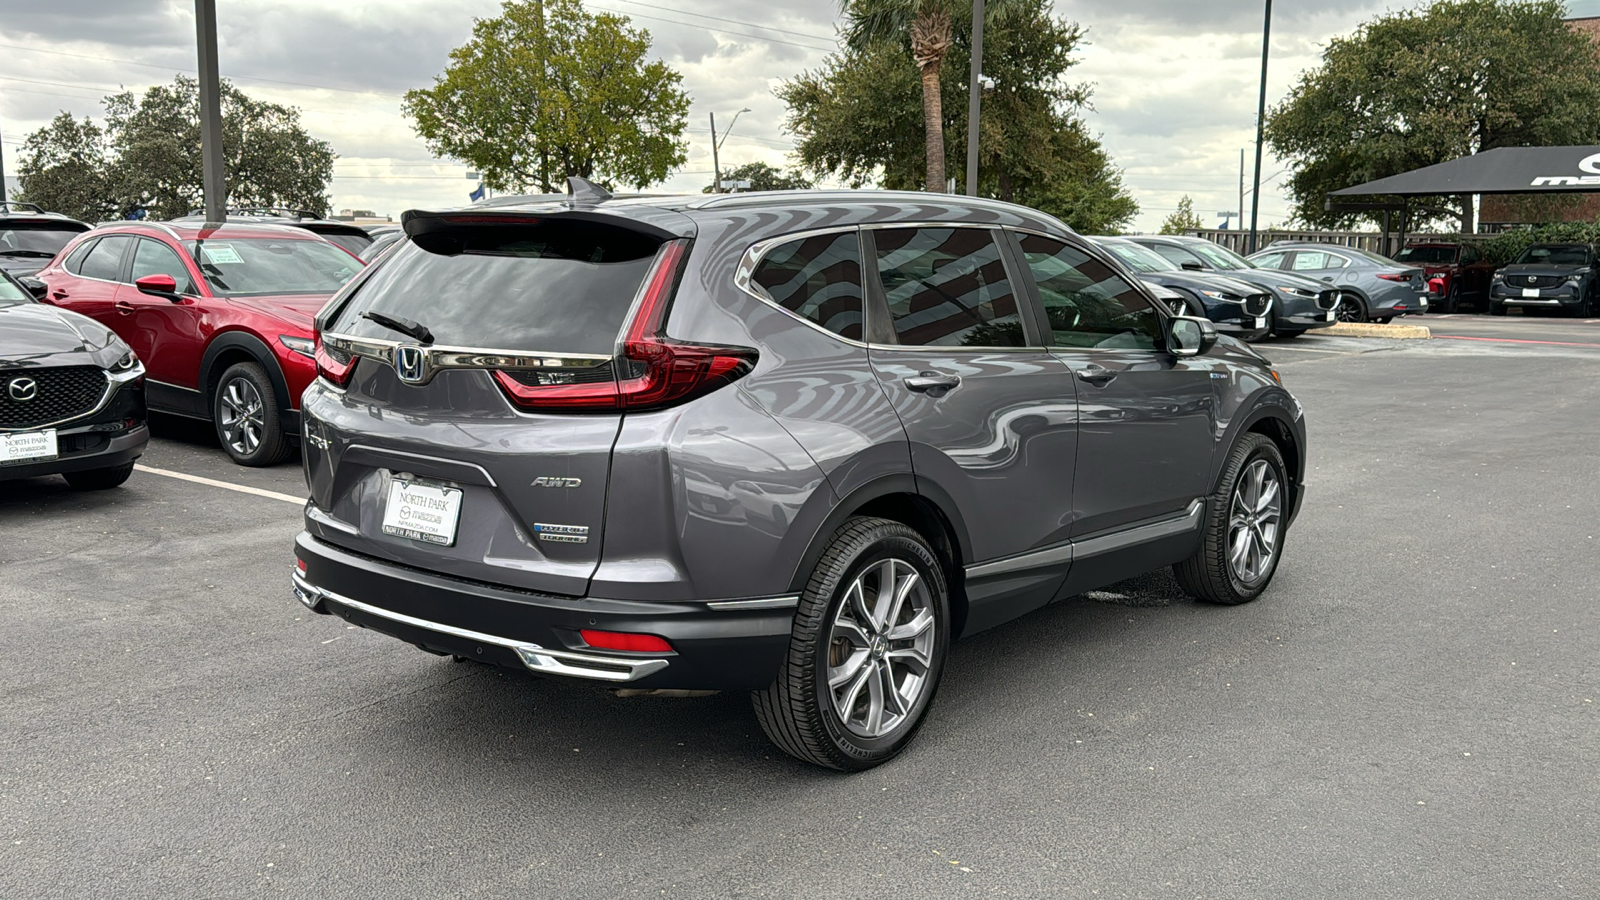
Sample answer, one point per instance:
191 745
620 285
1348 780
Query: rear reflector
656 371
622 640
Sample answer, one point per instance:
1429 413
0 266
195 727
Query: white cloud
1175 80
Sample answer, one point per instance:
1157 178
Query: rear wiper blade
404 326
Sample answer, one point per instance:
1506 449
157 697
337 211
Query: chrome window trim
114 380
764 603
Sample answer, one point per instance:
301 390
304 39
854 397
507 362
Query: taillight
655 370
625 640
335 365
1389 277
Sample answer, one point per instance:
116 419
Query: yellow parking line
184 476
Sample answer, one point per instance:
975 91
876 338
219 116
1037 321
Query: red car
1461 269
221 316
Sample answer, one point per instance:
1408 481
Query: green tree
763 177
859 117
925 28
148 156
1183 220
63 169
547 90
1418 87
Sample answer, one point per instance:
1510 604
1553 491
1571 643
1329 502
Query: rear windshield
243 267
355 243
555 287
37 242
1428 255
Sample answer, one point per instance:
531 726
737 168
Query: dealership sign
1589 165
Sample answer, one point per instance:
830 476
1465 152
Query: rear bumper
717 645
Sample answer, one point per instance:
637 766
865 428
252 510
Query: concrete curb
1374 330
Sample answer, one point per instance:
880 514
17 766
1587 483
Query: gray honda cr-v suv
790 443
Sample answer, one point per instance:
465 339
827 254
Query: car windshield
43 243
1574 255
246 266
11 294
1138 258
1427 255
1218 256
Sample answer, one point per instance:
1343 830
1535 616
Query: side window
1176 255
1470 255
817 278
1312 260
105 260
156 258
75 261
1269 260
1335 261
947 287
1086 302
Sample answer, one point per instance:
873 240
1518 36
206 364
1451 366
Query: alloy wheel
243 416
880 649
1253 522
1350 310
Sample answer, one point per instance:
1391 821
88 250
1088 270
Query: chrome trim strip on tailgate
535 657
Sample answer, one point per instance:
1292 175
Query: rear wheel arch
927 511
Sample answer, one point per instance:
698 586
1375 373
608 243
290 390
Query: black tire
1582 309
99 479
1452 298
798 711
1208 574
1351 308
1496 309
244 409
1289 334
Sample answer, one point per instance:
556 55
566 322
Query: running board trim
1189 521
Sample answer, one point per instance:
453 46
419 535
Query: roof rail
20 206
131 223
275 212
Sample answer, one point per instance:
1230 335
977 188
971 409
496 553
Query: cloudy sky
1175 80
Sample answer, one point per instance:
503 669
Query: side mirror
1190 336
35 287
159 286
1193 266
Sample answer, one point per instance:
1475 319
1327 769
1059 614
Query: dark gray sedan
1371 287
1299 303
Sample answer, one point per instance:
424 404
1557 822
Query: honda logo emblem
411 364
22 389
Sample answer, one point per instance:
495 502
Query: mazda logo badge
1533 279
411 364
22 389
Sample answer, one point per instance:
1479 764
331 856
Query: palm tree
928 25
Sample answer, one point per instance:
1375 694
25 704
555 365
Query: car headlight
1297 292
1497 277
1224 296
1576 279
128 361
304 346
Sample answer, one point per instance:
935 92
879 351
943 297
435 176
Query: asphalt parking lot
1410 711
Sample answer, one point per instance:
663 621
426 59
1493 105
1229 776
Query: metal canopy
1508 170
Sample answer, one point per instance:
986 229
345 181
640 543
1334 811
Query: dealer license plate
1261 321
1328 316
422 512
30 446
1530 292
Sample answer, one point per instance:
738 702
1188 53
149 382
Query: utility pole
974 98
3 197
1261 126
1241 187
716 169
216 192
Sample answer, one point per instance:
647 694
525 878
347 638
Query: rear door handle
1096 374
125 307
933 384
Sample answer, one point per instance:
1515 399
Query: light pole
1261 125
974 97
215 191
716 144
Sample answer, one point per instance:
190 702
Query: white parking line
184 476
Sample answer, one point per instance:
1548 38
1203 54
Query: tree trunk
1005 188
930 40
1468 222
933 127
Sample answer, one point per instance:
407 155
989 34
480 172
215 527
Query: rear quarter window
817 278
